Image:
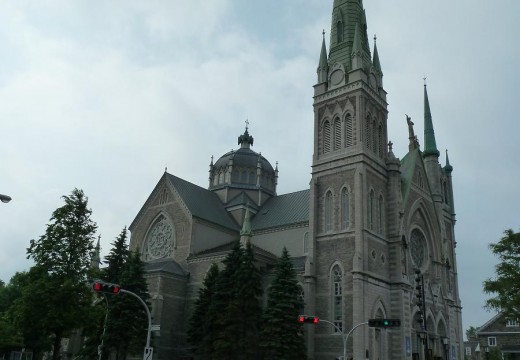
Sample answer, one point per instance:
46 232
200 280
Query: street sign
155 328
148 353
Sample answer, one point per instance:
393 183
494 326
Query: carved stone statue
411 134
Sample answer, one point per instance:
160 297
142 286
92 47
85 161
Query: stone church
357 235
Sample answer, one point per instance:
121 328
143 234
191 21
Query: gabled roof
242 199
202 203
407 170
283 210
490 322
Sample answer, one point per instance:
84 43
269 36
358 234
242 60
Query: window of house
492 341
328 211
512 323
337 298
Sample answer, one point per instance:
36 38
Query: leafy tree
59 292
471 332
201 330
10 336
282 335
506 284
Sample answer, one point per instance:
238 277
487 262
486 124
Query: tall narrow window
339 31
328 211
368 132
381 141
337 134
374 137
326 137
348 131
306 243
337 298
371 196
446 197
345 204
380 215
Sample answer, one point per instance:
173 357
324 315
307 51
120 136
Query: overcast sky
103 95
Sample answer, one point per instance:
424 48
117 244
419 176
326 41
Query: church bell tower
349 179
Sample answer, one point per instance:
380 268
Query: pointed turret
430 146
246 233
95 261
375 61
323 66
448 168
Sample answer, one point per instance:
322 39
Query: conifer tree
282 336
202 330
59 289
127 321
245 311
224 345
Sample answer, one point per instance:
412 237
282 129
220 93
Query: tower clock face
418 248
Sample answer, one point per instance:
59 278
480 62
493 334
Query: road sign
155 328
148 353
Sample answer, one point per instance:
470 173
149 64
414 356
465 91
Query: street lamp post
5 198
487 352
445 343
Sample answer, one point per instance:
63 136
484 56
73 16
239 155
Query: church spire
346 16
448 167
430 146
323 66
375 61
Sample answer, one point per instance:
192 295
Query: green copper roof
448 168
324 64
283 210
246 227
376 62
430 147
346 15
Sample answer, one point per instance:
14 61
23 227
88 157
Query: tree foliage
202 328
506 284
60 276
127 322
282 335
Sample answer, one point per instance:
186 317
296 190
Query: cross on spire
247 123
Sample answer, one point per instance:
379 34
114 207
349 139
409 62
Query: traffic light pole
345 337
148 351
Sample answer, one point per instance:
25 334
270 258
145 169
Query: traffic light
106 288
384 323
308 319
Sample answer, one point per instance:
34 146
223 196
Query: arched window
348 130
328 211
339 31
326 137
368 133
337 134
337 297
374 136
381 214
381 141
345 208
371 197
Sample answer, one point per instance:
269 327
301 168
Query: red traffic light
308 319
106 288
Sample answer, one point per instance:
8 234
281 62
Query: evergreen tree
224 346
127 323
506 284
245 310
59 288
282 335
201 332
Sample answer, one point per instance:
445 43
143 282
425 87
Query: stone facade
367 223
